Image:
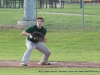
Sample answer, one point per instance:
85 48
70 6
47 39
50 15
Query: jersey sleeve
29 30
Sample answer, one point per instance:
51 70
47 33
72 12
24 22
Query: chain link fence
69 17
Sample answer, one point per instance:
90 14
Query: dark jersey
33 29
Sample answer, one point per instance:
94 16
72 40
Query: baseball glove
38 36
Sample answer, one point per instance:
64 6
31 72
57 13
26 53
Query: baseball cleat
23 64
44 63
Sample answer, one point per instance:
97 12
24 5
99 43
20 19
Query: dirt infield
31 64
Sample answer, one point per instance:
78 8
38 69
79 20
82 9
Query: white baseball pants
39 46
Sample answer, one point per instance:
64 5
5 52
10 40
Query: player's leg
46 53
30 46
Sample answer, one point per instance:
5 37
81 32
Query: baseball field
80 49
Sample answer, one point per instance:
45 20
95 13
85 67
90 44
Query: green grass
58 21
69 45
49 71
91 9
65 45
10 16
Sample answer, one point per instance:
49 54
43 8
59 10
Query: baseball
30 36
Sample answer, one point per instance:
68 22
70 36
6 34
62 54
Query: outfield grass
65 45
58 21
91 9
49 71
69 45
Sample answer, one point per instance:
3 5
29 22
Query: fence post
51 4
82 14
22 3
80 3
19 3
63 4
6 3
3 3
0 3
28 19
46 4
15 3
55 4
43 3
11 3
40 4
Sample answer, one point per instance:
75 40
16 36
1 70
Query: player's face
39 23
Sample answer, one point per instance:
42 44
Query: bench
87 1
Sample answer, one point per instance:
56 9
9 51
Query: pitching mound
31 64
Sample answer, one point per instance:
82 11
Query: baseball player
32 44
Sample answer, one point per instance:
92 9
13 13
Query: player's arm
26 33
